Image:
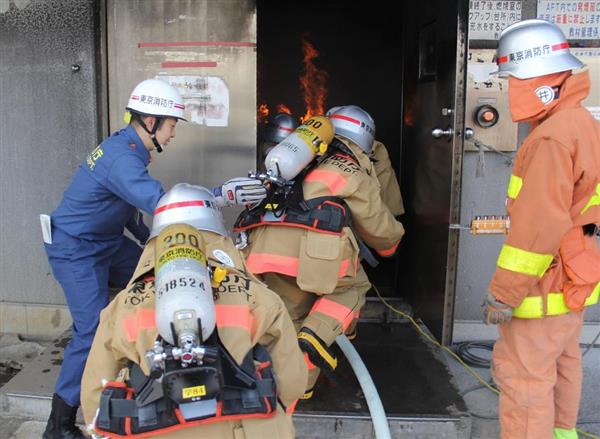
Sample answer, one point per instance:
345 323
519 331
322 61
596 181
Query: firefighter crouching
305 244
549 268
277 128
389 188
157 367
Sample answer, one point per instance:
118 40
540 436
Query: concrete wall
48 122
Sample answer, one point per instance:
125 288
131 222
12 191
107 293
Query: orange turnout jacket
553 191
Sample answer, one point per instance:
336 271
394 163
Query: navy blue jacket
107 189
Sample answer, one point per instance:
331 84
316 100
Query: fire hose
380 424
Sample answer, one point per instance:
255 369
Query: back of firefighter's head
534 55
277 128
155 106
354 124
188 204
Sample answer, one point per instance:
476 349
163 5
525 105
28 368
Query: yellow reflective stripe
514 186
533 307
308 394
523 261
593 201
320 349
561 433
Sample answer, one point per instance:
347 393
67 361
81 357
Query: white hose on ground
380 424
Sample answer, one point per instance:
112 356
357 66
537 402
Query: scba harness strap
246 391
322 214
287 207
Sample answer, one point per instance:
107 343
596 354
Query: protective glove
239 190
495 311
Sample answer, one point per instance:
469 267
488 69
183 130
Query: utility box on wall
486 110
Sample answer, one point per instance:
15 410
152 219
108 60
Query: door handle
439 132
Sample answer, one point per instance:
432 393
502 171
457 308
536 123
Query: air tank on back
289 157
184 295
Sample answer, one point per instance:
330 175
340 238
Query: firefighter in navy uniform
254 331
308 252
88 248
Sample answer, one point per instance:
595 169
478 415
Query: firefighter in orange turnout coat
309 253
549 268
252 325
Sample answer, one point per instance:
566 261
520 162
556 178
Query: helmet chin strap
157 145
152 132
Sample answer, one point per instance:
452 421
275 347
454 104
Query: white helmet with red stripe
332 110
532 48
355 124
188 204
154 97
279 127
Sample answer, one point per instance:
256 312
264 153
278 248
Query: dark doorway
360 50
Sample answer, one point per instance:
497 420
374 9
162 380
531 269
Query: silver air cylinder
289 157
183 288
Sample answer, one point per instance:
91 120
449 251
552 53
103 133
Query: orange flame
281 108
262 113
312 82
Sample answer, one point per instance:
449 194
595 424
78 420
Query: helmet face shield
532 48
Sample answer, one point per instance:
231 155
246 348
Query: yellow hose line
453 354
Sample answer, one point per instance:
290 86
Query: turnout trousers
84 269
537 366
326 315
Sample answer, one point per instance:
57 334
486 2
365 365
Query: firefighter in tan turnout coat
248 317
310 255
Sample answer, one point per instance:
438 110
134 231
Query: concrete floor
481 403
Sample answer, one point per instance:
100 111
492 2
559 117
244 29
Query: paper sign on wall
206 98
487 18
579 20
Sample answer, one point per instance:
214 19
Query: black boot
61 424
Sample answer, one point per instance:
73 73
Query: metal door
207 49
435 49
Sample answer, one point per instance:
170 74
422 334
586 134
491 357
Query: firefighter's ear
150 121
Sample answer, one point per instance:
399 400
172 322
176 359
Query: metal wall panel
48 122
208 49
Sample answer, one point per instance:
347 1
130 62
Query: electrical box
487 112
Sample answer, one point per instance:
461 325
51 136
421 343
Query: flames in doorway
313 85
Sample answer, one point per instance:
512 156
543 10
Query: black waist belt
129 408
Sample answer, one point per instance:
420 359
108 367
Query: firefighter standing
248 317
317 272
87 247
549 268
